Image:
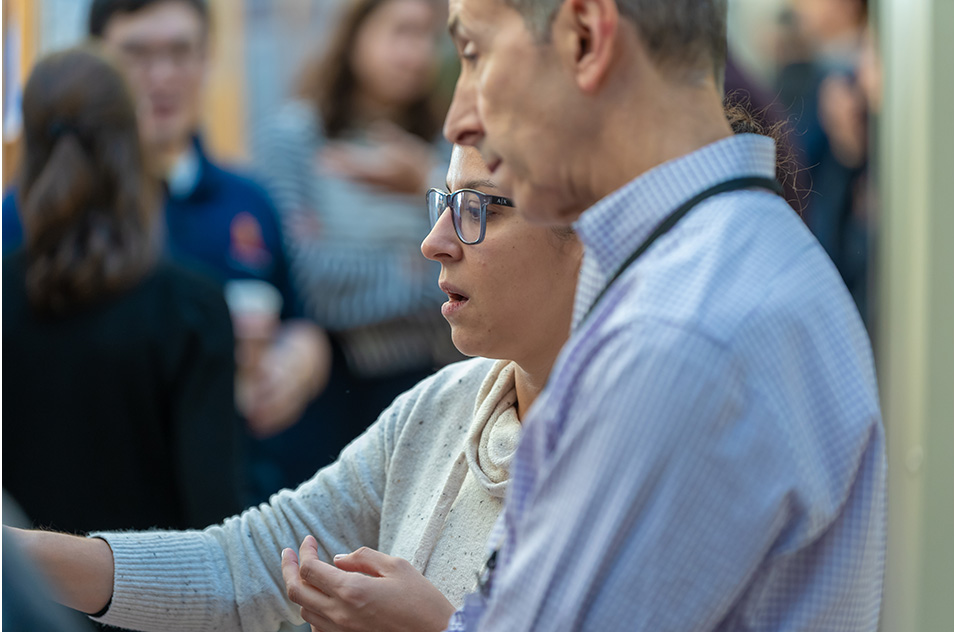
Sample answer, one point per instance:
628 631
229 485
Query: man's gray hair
680 35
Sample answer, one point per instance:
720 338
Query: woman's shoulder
452 390
186 295
451 380
419 418
176 277
167 288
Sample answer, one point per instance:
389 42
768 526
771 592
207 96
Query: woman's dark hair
743 120
331 85
87 203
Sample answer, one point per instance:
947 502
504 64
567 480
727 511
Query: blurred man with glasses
216 218
163 47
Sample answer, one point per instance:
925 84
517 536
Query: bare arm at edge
78 569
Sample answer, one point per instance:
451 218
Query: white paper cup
255 307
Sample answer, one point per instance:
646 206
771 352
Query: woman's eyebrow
478 185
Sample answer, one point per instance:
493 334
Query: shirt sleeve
654 505
229 576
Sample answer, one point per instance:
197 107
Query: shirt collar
184 174
618 223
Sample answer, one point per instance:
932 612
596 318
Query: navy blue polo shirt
225 227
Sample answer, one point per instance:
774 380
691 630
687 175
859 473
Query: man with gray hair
708 453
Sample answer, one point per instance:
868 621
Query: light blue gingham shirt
708 453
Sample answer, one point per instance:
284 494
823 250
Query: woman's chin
466 344
473 348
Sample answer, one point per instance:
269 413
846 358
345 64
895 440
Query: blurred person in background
218 222
348 163
118 386
425 483
819 86
847 104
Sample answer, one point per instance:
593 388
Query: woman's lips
453 305
456 300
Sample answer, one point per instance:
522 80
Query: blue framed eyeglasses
469 210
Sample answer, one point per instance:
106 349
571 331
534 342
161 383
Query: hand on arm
843 117
397 161
294 370
79 569
364 591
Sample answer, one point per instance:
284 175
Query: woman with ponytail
118 387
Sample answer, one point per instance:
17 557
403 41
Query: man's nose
462 124
162 70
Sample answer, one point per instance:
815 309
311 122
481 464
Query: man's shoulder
739 279
732 263
753 296
236 181
230 194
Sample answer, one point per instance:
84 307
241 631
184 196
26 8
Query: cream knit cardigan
425 482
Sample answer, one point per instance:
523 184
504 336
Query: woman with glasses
424 484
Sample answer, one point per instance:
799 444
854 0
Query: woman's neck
529 381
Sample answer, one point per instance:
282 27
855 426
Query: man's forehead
464 15
467 170
171 21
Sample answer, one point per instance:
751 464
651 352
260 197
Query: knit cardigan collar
487 453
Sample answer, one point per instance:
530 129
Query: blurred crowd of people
183 338
823 89
315 252
829 85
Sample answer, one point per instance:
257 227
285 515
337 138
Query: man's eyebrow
178 40
453 26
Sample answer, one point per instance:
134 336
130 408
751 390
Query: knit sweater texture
425 482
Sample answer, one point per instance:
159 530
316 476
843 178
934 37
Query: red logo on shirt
246 244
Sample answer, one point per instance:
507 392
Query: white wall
915 330
751 33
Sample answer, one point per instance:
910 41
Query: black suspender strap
679 213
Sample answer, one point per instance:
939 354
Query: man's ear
586 33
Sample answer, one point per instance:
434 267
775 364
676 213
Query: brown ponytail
87 203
